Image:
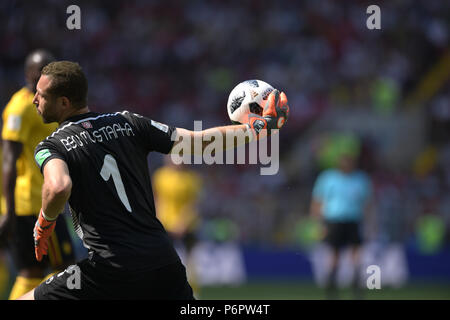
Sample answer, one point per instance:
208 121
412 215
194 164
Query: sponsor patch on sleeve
14 122
41 156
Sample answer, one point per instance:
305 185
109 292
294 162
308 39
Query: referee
98 163
340 199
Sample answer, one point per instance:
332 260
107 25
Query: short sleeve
319 187
16 122
45 151
155 136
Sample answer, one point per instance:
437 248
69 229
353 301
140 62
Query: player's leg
26 280
4 276
87 280
334 240
354 240
166 283
331 281
27 296
30 272
70 284
357 270
74 283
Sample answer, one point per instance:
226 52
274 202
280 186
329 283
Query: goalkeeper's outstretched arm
229 137
274 116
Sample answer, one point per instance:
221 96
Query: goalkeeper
130 254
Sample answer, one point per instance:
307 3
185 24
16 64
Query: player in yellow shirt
21 201
4 270
177 190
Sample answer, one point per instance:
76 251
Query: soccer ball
247 97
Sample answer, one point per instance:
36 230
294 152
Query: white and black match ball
247 97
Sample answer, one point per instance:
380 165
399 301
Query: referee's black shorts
342 234
88 280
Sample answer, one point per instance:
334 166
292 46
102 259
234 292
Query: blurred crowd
177 61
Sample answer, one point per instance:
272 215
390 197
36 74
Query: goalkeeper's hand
274 115
42 231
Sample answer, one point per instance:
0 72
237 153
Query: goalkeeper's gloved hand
274 115
42 231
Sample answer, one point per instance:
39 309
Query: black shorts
342 234
88 280
60 249
188 240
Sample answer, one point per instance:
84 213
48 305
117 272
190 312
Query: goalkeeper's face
48 106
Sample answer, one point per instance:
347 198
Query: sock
4 279
22 286
356 288
330 287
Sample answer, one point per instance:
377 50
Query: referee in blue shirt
340 199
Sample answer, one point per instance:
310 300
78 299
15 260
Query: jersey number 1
110 169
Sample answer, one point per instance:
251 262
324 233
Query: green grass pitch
299 290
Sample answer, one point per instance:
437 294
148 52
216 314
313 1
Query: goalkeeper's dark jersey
112 202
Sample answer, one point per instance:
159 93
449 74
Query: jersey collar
78 117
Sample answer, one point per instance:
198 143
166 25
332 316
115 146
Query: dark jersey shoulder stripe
112 200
